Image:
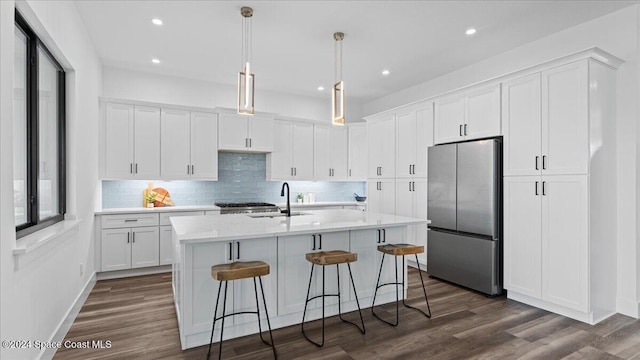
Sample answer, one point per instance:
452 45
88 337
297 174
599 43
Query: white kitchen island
200 242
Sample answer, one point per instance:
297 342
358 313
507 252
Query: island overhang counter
200 242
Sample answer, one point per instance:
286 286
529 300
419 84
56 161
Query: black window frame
34 223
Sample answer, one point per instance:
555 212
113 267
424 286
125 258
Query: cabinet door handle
291 171
380 185
128 237
133 237
409 185
295 171
329 171
379 237
250 142
230 251
544 162
413 186
460 132
349 172
320 240
409 169
465 129
136 168
537 182
537 159
314 242
384 235
544 191
192 169
187 169
246 142
130 168
238 254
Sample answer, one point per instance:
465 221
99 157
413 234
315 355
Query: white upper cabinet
357 170
118 141
521 111
131 142
146 142
482 113
472 114
414 134
546 123
176 144
292 156
189 149
245 133
449 119
381 139
330 152
565 122
204 145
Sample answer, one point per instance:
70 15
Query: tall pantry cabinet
559 155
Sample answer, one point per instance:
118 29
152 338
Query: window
39 185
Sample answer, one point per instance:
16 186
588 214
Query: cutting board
162 198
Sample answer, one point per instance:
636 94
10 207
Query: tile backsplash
241 177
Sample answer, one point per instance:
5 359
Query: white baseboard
68 320
628 307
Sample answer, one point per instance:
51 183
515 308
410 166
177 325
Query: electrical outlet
81 269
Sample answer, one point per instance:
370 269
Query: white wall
618 34
134 85
36 297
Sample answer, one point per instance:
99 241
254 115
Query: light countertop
198 229
141 209
295 204
134 210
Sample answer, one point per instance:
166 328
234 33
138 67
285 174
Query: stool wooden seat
401 249
331 257
239 270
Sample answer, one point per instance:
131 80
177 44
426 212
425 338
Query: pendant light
246 83
338 87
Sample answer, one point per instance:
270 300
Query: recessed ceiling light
156 21
320 88
385 72
470 31
155 61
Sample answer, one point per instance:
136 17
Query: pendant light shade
246 84
338 88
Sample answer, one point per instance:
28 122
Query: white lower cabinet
294 270
381 196
365 271
546 239
411 201
128 248
166 245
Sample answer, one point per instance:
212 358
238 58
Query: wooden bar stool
324 258
236 271
400 250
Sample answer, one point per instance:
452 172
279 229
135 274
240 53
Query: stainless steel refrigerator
464 206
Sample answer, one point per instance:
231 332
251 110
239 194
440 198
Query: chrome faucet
288 211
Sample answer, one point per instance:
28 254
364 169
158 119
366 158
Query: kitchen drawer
129 220
164 217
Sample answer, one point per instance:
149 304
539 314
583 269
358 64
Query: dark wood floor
138 317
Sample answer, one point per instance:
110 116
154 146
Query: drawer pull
130 220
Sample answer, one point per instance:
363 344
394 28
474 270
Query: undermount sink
275 215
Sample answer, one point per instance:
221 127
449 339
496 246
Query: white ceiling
293 47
